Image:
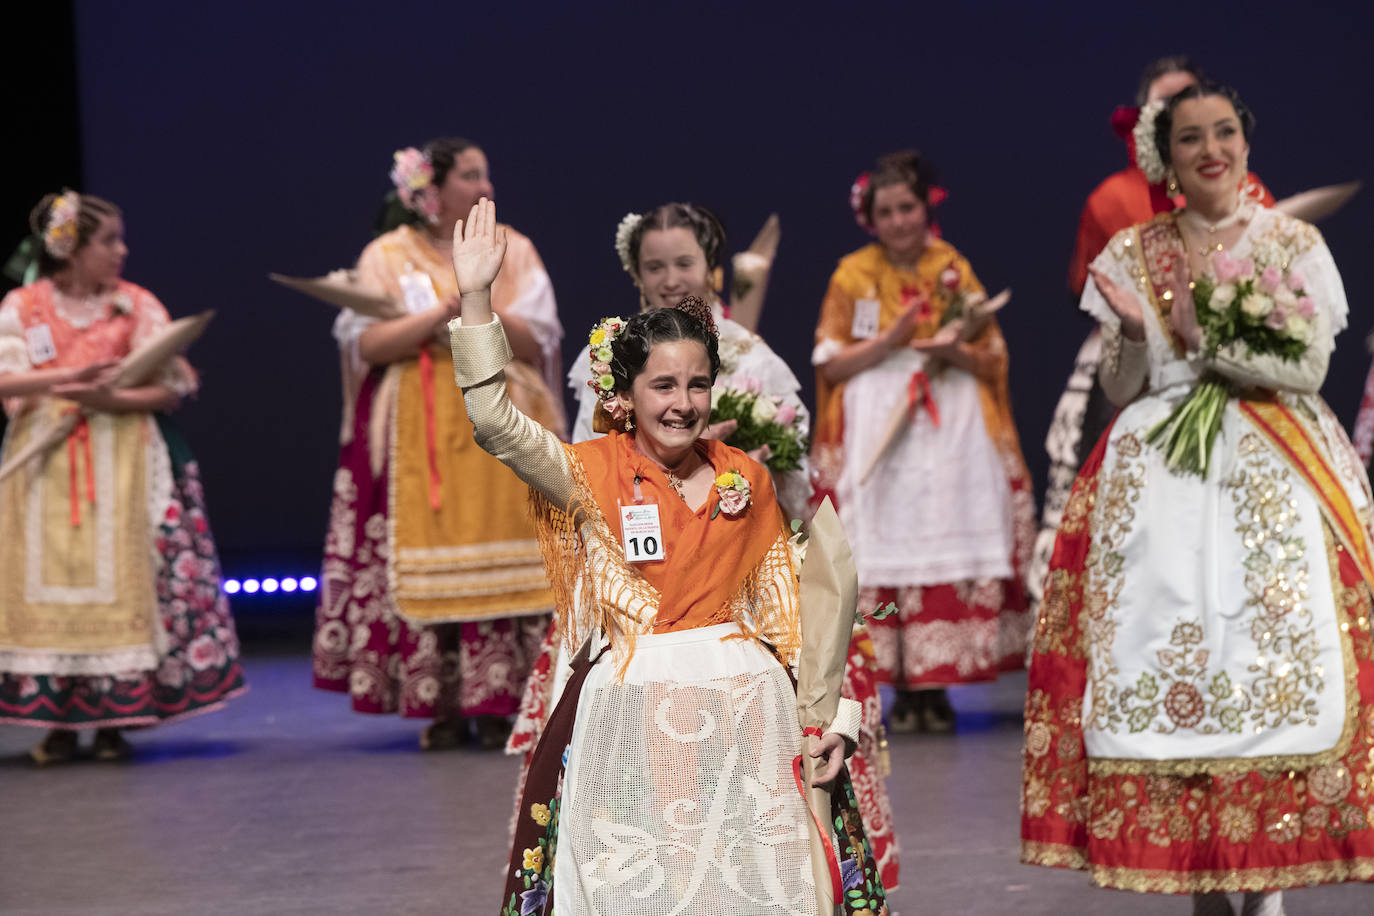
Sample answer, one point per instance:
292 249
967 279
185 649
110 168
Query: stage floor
288 803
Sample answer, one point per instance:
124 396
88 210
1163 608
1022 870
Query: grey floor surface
288 803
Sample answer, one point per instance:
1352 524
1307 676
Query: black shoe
905 716
444 735
937 715
493 732
110 746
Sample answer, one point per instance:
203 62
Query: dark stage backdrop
249 137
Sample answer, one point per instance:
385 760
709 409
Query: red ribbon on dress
80 435
432 451
918 393
822 827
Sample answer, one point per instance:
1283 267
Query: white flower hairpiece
627 228
1146 153
60 235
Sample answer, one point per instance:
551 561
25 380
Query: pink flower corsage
734 494
122 304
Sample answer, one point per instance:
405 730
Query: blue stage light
308 584
250 585
231 586
288 584
269 585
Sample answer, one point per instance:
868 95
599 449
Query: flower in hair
627 228
604 332
60 235
413 175
935 196
1146 153
856 201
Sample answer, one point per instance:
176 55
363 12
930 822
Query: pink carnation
748 383
1247 267
786 414
1296 281
1306 307
1269 279
1277 319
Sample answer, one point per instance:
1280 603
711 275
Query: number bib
641 533
418 290
41 347
867 317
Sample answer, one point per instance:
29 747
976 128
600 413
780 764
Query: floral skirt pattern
1236 830
959 633
200 669
363 648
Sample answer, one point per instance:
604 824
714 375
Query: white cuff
846 723
825 351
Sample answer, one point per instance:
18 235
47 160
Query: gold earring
1172 177
629 422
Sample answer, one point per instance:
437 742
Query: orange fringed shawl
715 570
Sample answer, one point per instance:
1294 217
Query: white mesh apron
679 797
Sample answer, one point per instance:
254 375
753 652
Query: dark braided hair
630 349
907 167
707 230
89 214
1164 122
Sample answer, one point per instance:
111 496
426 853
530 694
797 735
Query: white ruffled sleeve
151 318
14 352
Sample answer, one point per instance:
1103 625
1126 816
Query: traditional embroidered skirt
195 653
1200 714
364 648
677 792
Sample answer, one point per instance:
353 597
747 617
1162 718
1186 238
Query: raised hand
1126 305
478 248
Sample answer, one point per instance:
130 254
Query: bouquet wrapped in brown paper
829 598
340 288
135 369
1318 203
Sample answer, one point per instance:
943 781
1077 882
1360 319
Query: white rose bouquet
762 420
1263 306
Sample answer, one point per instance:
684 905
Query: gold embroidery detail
1102 766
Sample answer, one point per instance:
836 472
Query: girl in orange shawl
111 612
672 747
943 525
